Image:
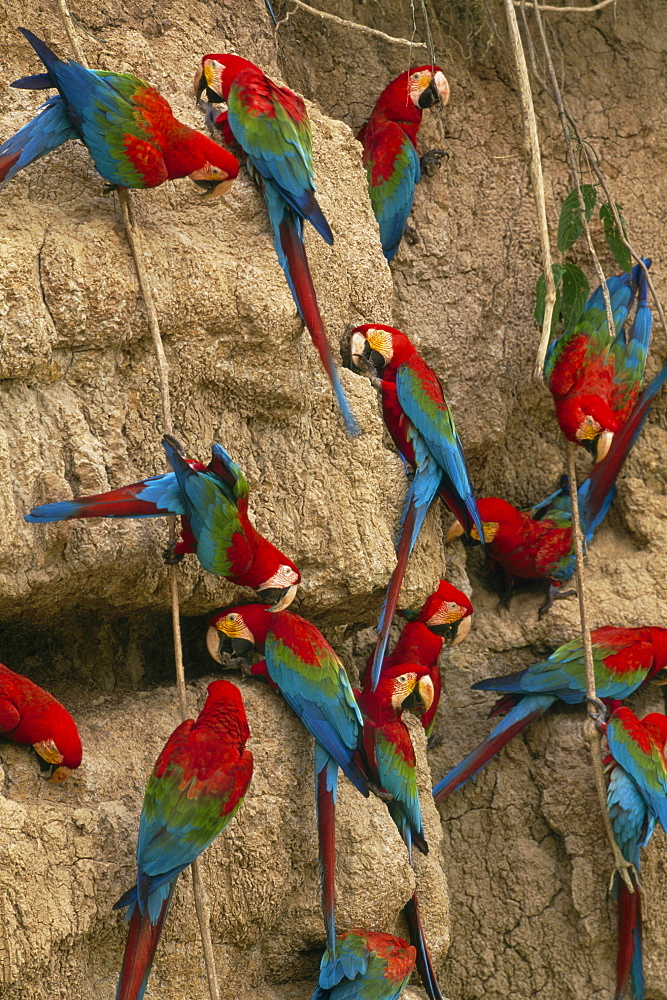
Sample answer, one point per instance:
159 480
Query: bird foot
553 594
380 792
110 188
170 557
434 741
430 161
600 716
411 235
627 871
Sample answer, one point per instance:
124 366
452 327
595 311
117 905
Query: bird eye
402 679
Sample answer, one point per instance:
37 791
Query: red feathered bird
127 127
270 124
29 714
390 158
388 758
443 620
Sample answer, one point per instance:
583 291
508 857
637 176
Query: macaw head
224 708
497 516
379 346
281 587
56 741
447 613
238 630
406 687
588 420
217 167
421 87
216 75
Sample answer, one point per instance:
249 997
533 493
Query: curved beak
61 773
220 644
425 692
455 531
200 83
211 187
461 630
442 86
215 643
603 445
429 96
282 596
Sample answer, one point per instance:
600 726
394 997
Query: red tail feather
142 941
7 162
326 833
418 940
629 926
304 292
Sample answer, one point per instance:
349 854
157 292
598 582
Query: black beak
47 770
446 631
207 186
429 96
412 699
591 446
233 646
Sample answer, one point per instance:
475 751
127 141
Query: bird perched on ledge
197 785
422 427
127 127
270 124
29 714
212 501
444 619
368 965
390 158
301 664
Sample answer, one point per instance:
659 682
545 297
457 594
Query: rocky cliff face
83 606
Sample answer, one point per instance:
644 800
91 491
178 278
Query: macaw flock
203 773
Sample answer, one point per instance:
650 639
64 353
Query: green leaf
569 223
575 292
541 293
613 237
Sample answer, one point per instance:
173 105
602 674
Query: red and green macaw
624 659
388 758
29 714
536 544
270 124
126 126
422 427
443 619
212 501
390 158
302 665
636 799
368 965
197 785
595 378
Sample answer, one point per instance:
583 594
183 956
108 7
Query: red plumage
29 714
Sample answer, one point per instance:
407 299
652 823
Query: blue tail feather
46 132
